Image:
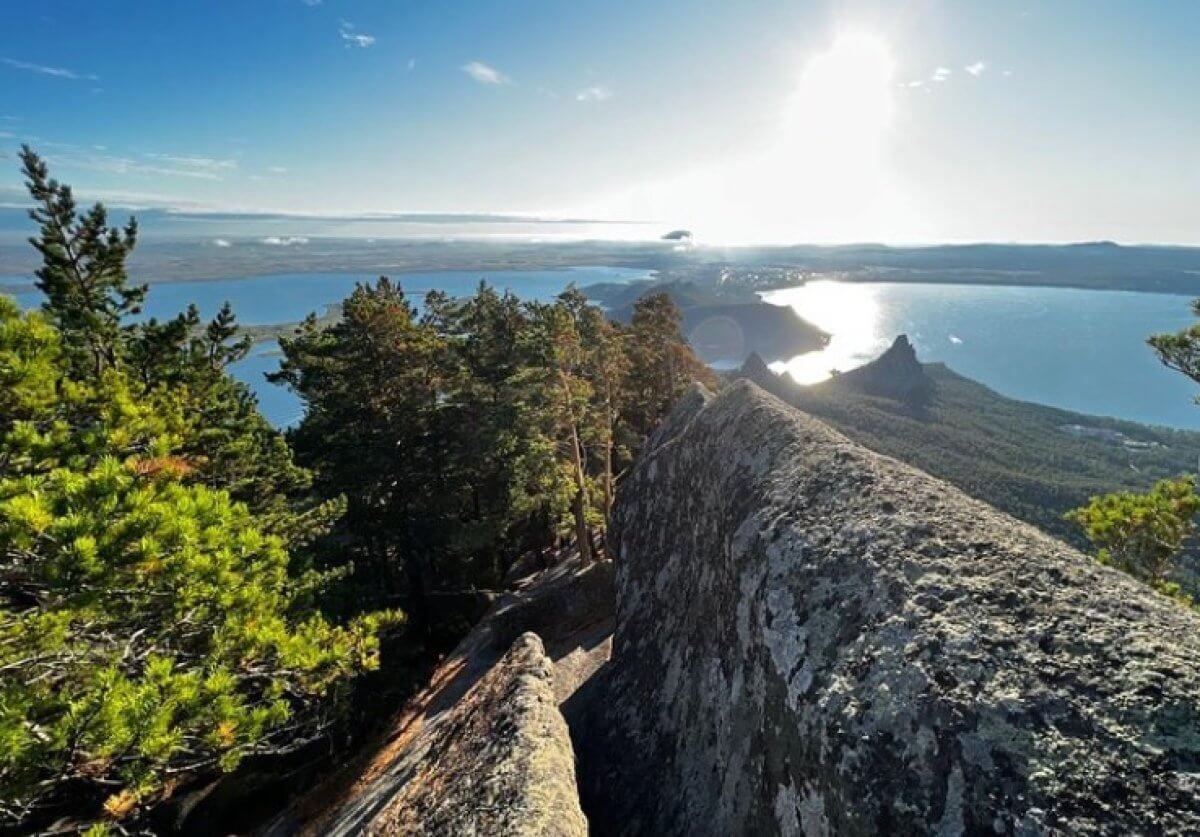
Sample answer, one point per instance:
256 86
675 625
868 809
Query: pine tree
567 397
153 627
662 365
88 294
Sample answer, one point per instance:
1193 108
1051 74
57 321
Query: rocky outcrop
815 639
499 762
485 748
895 374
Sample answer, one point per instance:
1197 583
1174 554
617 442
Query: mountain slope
1026 459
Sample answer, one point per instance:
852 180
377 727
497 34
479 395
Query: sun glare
826 177
823 176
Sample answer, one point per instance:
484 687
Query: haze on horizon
757 122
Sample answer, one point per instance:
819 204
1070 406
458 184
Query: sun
826 177
843 104
823 174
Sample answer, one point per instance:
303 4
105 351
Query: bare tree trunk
608 456
579 504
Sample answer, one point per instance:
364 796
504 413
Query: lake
1080 350
289 297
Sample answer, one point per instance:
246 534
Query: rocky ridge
815 639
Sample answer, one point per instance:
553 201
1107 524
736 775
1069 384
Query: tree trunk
579 504
610 423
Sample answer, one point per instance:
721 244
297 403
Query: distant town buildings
1104 434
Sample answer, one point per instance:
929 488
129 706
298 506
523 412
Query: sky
749 122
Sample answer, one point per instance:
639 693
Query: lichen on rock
814 639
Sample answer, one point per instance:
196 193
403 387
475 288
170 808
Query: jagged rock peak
894 374
813 638
901 351
754 368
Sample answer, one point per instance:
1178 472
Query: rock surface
485 748
500 762
815 639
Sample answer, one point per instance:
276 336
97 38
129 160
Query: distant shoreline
12 288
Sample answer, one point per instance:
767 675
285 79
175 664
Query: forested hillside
1024 458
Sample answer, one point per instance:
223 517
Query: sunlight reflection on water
850 314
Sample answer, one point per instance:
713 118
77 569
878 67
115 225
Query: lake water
1080 350
284 298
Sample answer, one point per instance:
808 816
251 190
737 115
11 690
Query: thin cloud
484 74
222 242
311 3
277 170
353 38
939 75
977 69
93 158
284 240
45 70
595 93
210 165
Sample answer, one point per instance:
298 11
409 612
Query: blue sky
755 120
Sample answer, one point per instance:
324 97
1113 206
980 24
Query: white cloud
595 93
355 39
484 74
940 74
42 69
312 2
285 240
205 165
412 64
1006 73
277 170
976 69
6 134
222 242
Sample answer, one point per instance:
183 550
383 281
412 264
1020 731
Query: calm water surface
1081 350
